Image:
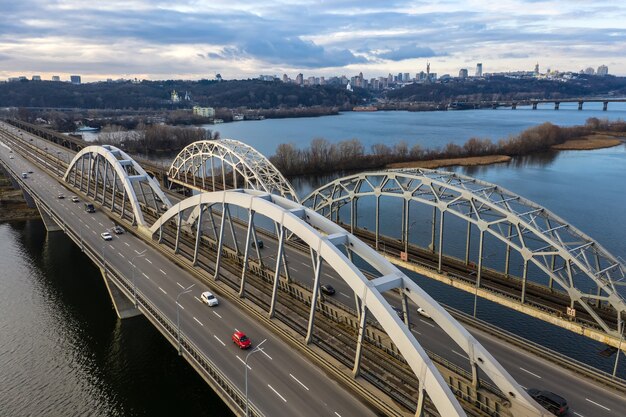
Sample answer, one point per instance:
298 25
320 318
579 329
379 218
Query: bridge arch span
104 172
329 243
568 257
203 166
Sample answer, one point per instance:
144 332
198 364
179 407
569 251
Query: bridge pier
51 225
535 105
556 105
124 308
605 106
580 105
514 106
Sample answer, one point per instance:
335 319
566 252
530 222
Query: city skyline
198 39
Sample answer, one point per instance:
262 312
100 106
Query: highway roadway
585 398
281 382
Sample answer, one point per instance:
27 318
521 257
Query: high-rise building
602 70
537 68
36 78
400 77
463 73
590 71
479 69
75 79
407 77
285 78
300 79
56 78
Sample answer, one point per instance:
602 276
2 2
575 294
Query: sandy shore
597 141
439 163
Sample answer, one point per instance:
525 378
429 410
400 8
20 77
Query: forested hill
503 88
156 94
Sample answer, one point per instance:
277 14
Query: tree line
151 139
324 157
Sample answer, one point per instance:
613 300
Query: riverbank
13 207
449 162
590 142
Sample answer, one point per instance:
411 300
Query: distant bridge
557 102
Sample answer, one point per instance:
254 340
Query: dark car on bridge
555 404
327 289
241 340
259 243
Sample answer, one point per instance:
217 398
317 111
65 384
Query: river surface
63 351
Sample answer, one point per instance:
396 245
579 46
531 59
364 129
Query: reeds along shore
324 157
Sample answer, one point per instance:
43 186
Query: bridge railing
189 350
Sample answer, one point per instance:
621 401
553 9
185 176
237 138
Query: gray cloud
408 52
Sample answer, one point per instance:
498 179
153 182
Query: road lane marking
111 246
100 224
277 393
578 414
599 405
218 339
181 306
344 294
137 252
119 253
242 361
197 299
337 414
460 354
269 357
217 314
162 290
127 244
294 269
162 271
145 275
94 232
131 264
298 381
425 322
148 260
179 284
532 373
198 321
87 226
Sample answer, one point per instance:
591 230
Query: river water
63 351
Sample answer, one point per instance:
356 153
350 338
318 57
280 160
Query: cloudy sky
195 39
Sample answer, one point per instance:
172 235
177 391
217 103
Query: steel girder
566 255
329 241
256 170
125 170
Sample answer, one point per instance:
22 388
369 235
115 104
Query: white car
208 298
106 236
423 312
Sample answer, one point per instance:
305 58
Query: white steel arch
125 170
327 239
190 167
536 233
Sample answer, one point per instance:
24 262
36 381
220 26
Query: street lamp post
139 255
255 350
184 291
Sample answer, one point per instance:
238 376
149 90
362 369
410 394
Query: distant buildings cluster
74 79
401 79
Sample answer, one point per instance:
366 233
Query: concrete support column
359 343
405 308
432 238
580 105
352 215
605 106
525 274
507 256
220 243
246 252
104 182
556 105
534 106
441 219
405 225
198 235
232 228
468 242
317 269
480 259
114 191
179 223
377 220
279 258
552 266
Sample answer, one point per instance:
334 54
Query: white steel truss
566 255
113 171
329 243
203 165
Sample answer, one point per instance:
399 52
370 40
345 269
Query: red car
241 340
